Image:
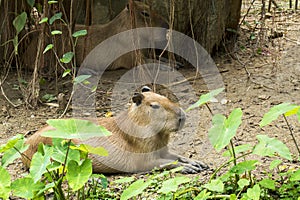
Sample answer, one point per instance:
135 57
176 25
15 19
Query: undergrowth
64 171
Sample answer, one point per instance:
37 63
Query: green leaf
78 175
254 193
11 154
274 112
43 20
215 185
298 115
66 72
135 189
267 183
223 130
19 22
11 143
171 185
60 148
203 195
244 166
205 98
39 165
238 149
89 149
52 2
274 164
292 112
269 146
55 17
67 57
31 3
295 176
48 47
26 188
74 128
123 180
4 183
79 33
56 32
243 183
81 78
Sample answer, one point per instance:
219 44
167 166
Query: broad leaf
171 185
243 182
215 185
67 57
48 47
31 3
295 176
74 128
56 32
43 20
267 183
274 164
60 149
269 146
203 195
10 155
244 166
4 183
55 17
78 175
274 112
19 22
223 130
26 188
81 78
79 33
66 72
39 165
254 193
11 143
205 98
135 189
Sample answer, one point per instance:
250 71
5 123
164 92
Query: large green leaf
135 189
39 165
254 193
269 146
19 22
90 149
67 57
78 175
274 112
74 128
11 143
215 185
205 98
4 183
55 17
223 130
295 176
60 149
26 188
79 33
11 154
171 185
267 183
244 166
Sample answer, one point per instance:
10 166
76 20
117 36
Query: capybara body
138 140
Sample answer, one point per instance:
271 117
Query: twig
291 132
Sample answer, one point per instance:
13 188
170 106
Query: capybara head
156 113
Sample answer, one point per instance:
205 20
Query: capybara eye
154 106
145 14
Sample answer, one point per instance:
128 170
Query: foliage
67 164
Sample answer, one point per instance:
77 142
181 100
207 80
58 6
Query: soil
259 73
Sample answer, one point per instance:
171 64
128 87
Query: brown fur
139 137
98 33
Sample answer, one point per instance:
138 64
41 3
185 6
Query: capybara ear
146 89
137 98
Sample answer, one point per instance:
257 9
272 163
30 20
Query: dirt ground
258 74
